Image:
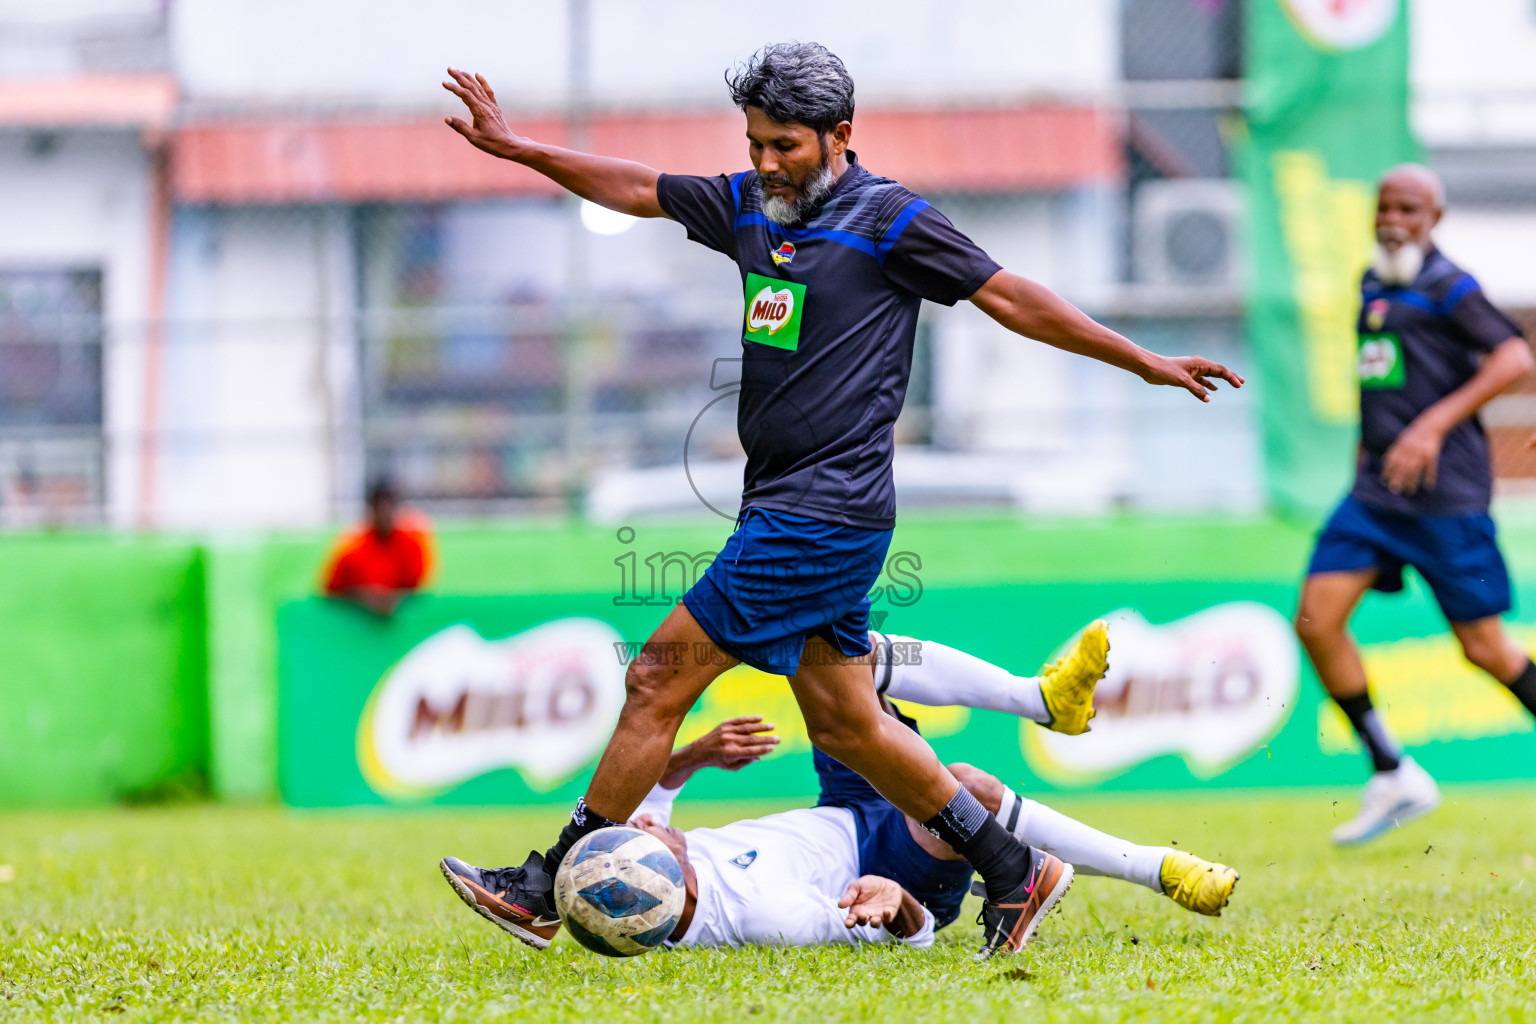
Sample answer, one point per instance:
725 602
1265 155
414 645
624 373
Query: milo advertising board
509 700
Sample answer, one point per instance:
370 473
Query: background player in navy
1433 350
835 262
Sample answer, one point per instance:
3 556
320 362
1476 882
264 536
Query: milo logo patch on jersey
773 312
1381 361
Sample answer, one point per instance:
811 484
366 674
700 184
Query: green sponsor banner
509 700
1326 98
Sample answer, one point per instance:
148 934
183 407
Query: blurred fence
617 403
499 354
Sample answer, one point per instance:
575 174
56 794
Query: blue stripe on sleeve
1463 287
1460 290
736 188
1407 298
898 225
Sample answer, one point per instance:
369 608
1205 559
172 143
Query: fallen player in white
854 868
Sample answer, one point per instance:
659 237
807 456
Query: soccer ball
620 891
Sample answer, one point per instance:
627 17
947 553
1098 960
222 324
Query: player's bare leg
661 685
1328 599
1399 790
658 694
1488 646
844 718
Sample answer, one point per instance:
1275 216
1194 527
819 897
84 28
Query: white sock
1087 849
925 672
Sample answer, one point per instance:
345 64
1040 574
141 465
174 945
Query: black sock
1002 861
1386 755
583 823
1525 686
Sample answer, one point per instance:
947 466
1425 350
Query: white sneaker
1390 799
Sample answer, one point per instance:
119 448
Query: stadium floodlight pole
835 263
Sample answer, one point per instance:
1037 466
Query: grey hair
795 83
1425 176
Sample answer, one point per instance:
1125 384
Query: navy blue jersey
830 315
1417 345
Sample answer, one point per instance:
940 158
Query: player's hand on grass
1196 375
1411 462
488 129
871 899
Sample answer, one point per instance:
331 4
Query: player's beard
807 194
1399 266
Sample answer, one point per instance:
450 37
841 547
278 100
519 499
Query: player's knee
983 786
835 738
653 690
1487 654
963 772
1311 628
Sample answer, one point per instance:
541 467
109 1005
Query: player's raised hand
732 745
1192 373
487 129
737 742
871 899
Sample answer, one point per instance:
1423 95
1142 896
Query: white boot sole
1395 818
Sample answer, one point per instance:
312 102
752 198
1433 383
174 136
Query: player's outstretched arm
621 185
1035 311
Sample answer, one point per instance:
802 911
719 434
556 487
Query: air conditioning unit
1188 233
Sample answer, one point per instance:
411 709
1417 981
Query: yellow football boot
1196 884
1067 683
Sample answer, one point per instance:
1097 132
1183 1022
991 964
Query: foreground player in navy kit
835 262
1433 350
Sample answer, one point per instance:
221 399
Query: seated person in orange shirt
383 560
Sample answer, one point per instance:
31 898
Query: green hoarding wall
143 668
1326 103
103 674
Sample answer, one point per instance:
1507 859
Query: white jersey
775 880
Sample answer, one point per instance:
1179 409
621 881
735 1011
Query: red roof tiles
394 160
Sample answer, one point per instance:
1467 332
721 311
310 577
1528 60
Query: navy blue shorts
1458 556
782 579
886 847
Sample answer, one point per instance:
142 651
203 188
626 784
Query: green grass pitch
218 913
